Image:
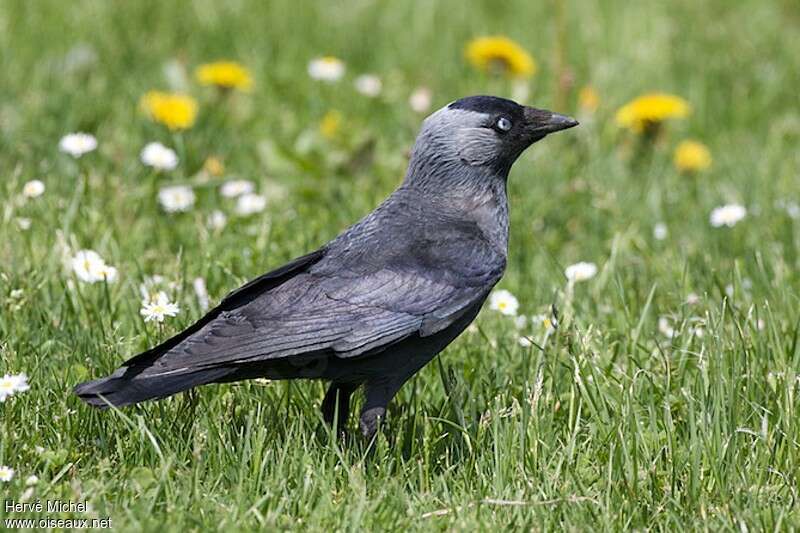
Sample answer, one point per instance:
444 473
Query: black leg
377 397
336 404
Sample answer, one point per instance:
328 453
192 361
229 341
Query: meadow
662 392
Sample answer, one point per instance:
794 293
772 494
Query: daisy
234 188
420 100
660 231
176 198
250 203
159 308
32 189
24 223
77 144
327 68
504 302
159 157
727 215
11 384
31 480
6 474
665 328
580 271
368 85
89 267
200 290
217 219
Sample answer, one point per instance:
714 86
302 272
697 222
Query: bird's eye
503 124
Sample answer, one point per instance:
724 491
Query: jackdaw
379 301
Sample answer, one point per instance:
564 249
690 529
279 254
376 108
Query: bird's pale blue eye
503 124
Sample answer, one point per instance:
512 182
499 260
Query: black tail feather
121 390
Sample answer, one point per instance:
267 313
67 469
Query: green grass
612 426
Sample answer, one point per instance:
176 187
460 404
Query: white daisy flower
31 480
24 223
542 320
368 85
660 231
793 210
217 219
159 157
665 328
6 474
727 215
521 321
176 198
580 271
200 290
250 203
524 341
89 267
11 384
77 144
420 100
692 298
33 188
504 302
159 308
326 68
234 188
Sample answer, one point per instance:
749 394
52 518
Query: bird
378 302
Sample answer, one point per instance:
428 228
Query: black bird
379 301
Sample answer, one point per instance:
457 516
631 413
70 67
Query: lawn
667 398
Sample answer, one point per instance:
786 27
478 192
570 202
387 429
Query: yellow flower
330 124
692 156
651 109
174 110
214 166
224 74
588 99
500 55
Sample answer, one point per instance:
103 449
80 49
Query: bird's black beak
540 122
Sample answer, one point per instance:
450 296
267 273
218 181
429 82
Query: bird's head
484 132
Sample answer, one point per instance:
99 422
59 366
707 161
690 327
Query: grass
611 426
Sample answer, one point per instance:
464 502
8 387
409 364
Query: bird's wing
346 303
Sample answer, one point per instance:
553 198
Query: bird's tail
126 388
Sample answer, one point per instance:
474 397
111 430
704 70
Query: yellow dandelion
588 99
692 156
213 165
224 74
500 55
174 110
330 124
650 110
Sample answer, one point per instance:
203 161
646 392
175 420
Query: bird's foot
370 421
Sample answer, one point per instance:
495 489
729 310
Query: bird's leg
377 397
337 404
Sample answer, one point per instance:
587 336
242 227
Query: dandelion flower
420 100
159 157
159 308
214 166
225 74
580 271
692 156
368 85
234 188
217 220
588 99
11 384
176 198
727 215
89 267
77 144
504 302
500 55
330 124
6 474
176 111
250 203
650 110
327 68
33 188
